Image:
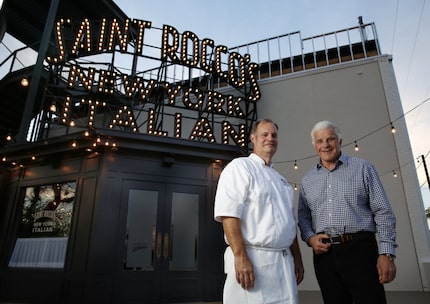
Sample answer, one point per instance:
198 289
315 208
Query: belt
283 250
348 237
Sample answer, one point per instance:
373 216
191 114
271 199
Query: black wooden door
161 255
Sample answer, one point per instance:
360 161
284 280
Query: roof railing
291 53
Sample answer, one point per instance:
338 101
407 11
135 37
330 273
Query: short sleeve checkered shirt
350 198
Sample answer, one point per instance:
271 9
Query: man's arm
298 264
386 226
242 263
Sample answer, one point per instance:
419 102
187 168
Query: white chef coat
263 200
259 196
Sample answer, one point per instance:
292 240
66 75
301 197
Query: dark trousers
347 273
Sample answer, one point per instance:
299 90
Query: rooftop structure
285 54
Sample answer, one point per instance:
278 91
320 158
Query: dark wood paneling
93 259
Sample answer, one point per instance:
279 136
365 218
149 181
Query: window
44 227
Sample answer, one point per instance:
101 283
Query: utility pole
425 170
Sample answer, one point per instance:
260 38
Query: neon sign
212 112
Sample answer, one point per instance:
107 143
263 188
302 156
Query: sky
403 29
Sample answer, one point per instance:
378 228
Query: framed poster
45 226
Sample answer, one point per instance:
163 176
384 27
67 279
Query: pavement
393 297
314 297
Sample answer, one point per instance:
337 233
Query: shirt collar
260 160
343 159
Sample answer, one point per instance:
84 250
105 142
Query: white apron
272 270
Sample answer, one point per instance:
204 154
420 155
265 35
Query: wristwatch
389 256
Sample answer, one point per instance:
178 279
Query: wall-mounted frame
44 227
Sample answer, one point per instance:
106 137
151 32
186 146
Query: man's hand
386 269
298 264
243 266
300 272
317 245
244 272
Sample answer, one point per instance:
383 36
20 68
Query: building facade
108 185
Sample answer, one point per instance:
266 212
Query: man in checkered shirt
342 208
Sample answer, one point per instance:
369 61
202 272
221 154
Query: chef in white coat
254 203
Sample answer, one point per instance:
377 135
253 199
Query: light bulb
24 82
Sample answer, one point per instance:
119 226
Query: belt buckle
333 242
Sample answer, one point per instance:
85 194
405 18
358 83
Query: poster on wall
45 226
47 210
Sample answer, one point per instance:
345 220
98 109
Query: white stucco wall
362 98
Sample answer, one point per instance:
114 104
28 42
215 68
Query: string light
100 140
295 165
24 82
393 130
356 148
394 173
373 132
115 29
53 107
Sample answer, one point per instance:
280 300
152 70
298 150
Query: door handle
158 246
166 246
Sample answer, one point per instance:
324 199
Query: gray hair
325 124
